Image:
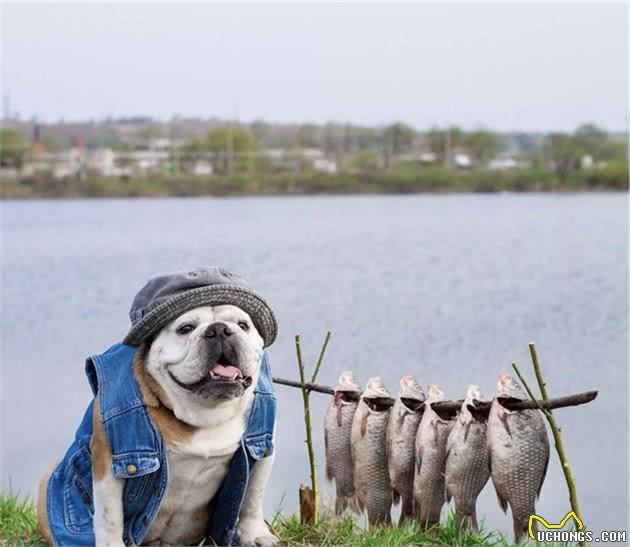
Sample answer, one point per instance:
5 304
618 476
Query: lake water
450 288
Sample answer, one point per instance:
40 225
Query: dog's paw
257 534
266 541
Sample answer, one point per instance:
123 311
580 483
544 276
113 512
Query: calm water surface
449 288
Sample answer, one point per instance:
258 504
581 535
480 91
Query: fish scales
428 487
467 470
518 449
337 436
372 485
402 428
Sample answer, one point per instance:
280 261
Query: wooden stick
454 406
320 358
307 505
307 420
532 397
308 386
557 437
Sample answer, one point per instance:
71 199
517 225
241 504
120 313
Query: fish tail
521 528
467 520
379 518
406 512
341 504
417 509
355 505
395 496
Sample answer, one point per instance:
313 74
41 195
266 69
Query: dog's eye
185 328
244 325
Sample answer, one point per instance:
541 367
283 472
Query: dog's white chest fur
196 471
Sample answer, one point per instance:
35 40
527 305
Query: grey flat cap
166 297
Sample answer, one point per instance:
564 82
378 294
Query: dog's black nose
218 329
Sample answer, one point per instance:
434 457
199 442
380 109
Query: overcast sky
503 66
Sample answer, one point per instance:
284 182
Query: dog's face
207 355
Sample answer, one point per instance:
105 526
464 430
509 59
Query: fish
402 427
372 487
518 449
467 470
428 485
337 429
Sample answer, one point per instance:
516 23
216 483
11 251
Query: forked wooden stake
309 497
555 430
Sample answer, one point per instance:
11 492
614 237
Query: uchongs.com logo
554 529
553 533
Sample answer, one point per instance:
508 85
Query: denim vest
135 441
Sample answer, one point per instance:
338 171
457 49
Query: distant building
427 157
325 165
102 161
312 153
587 162
501 164
462 160
164 143
273 153
202 168
37 147
144 161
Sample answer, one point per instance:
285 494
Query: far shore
430 180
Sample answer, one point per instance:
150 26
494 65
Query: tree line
236 147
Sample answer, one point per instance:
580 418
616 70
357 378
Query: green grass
402 178
346 531
18 527
18 522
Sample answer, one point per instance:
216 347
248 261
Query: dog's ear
146 346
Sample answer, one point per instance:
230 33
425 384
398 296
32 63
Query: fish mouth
479 410
444 413
414 405
379 404
221 373
347 396
506 400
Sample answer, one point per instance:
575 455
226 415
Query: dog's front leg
107 489
253 529
108 511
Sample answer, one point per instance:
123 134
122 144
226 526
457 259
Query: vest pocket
260 446
78 505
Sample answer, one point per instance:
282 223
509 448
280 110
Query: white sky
504 66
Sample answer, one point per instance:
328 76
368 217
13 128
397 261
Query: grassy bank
403 178
347 532
18 522
18 527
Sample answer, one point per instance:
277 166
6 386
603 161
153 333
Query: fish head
509 388
411 394
436 393
475 406
410 388
376 395
473 393
347 382
347 389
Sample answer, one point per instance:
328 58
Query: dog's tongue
226 372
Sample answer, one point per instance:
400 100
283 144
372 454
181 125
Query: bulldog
203 381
